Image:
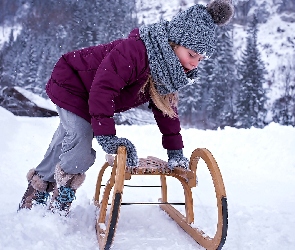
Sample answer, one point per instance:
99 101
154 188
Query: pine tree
10 60
193 98
82 24
115 19
252 98
31 69
208 104
27 61
1 67
219 104
190 102
283 109
206 73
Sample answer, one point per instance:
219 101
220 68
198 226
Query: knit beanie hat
195 27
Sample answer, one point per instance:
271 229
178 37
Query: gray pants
71 146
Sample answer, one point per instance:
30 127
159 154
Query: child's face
188 58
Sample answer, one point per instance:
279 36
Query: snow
38 100
5 33
257 165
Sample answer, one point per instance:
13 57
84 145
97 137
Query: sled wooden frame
106 228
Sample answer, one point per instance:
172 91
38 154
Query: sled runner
106 228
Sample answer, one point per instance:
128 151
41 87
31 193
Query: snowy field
258 168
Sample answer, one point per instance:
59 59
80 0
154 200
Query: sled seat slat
155 166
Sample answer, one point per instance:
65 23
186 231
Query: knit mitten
176 159
110 144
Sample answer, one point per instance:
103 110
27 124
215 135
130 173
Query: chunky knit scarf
166 69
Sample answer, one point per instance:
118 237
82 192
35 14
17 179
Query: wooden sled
106 228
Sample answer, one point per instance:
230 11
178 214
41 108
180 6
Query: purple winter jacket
96 82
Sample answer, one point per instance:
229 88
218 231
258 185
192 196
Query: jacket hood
134 33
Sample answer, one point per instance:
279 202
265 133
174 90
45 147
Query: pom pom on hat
221 11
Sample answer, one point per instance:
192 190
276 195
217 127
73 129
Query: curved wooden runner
154 166
106 229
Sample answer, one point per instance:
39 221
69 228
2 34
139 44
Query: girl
90 85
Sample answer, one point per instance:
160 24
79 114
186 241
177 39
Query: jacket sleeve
170 129
118 69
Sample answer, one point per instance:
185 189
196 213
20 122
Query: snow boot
37 191
65 190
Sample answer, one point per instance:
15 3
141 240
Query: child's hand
110 144
176 159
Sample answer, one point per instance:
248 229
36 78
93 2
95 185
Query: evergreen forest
228 91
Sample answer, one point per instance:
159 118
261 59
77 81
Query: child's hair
165 103
173 45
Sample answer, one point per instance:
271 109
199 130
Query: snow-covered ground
258 168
